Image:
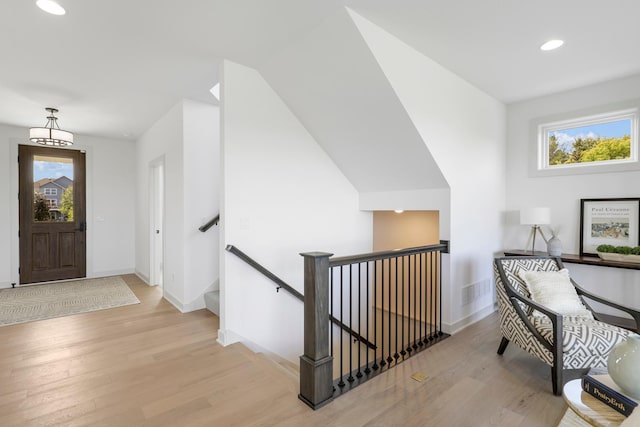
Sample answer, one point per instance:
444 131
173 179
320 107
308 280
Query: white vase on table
624 365
554 246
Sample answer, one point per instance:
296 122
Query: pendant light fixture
51 134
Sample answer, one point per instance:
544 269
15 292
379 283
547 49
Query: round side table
589 408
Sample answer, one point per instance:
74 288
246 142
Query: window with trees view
603 139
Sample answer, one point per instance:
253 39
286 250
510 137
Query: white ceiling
113 68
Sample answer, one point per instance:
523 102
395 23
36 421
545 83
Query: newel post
316 364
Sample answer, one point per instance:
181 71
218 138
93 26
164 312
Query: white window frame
53 203
50 191
541 129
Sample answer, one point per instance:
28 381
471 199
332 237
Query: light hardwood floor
148 364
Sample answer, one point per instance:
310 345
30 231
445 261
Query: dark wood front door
52 214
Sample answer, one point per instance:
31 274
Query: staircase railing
392 298
213 221
281 284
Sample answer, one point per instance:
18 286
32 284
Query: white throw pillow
553 289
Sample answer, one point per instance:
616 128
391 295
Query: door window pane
52 189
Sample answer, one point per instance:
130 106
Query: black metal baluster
440 333
396 355
436 310
341 383
426 298
382 361
367 370
331 271
359 313
350 378
409 349
403 284
433 299
420 343
375 315
415 302
331 308
389 358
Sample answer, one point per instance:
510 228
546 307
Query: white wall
163 139
201 200
464 130
110 204
563 193
7 210
187 138
111 207
282 196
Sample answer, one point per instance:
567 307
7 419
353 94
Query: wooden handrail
282 284
253 263
374 256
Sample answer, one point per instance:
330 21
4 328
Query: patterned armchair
564 343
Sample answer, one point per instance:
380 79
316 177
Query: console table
576 259
588 260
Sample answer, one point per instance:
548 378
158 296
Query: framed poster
608 222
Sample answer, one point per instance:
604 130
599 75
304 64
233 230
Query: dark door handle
83 226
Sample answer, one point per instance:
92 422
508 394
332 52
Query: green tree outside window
40 207
66 205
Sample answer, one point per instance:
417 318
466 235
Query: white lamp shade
535 216
49 136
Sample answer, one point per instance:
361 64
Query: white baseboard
95 275
5 285
454 328
227 337
173 300
143 277
197 304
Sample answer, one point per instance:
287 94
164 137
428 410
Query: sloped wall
464 129
333 84
282 195
408 134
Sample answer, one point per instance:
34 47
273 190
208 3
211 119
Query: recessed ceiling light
552 44
51 7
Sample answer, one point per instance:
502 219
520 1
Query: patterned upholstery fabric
586 342
512 327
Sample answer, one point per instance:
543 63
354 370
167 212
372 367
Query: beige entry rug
29 303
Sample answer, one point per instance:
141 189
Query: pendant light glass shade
51 134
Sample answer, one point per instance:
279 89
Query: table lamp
535 217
